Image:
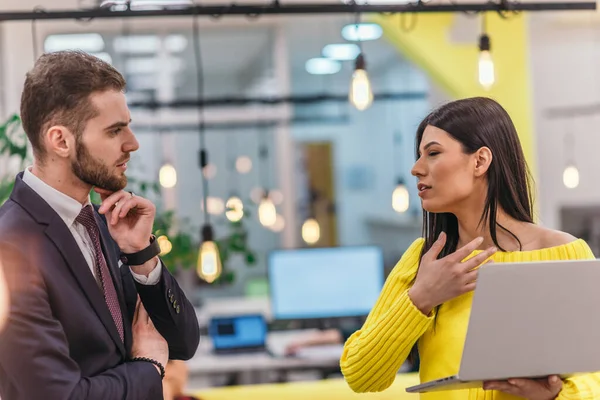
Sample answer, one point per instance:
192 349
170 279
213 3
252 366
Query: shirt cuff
153 277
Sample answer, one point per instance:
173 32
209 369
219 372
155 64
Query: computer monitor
323 283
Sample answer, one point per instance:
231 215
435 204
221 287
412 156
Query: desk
248 367
331 389
206 368
211 364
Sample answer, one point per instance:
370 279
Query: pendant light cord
203 158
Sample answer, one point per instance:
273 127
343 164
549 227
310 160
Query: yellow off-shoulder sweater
373 354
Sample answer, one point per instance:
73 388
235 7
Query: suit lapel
61 236
58 232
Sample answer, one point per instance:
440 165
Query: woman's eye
434 153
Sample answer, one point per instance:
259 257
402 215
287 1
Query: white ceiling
241 52
232 45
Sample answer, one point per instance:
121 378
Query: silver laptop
529 320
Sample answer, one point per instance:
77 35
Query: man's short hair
57 92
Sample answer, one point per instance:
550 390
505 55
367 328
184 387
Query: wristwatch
142 256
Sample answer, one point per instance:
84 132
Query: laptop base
455 383
448 383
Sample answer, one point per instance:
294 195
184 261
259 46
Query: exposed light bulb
361 95
165 245
214 205
400 198
267 214
167 176
571 177
311 231
486 70
486 63
209 266
234 209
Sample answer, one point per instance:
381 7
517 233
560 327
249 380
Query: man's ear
60 141
483 160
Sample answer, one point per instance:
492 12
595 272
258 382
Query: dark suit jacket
60 341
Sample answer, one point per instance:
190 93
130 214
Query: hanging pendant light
234 209
311 231
167 176
400 197
209 266
361 95
485 63
571 172
571 177
165 245
267 213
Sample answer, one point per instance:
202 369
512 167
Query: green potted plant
13 146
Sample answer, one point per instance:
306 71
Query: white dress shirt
68 209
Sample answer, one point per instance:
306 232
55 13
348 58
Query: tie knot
86 218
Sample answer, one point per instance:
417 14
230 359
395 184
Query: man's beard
94 173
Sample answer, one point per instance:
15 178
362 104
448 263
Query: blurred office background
323 201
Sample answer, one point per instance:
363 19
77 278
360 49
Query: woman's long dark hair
477 122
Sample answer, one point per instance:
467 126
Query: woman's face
446 174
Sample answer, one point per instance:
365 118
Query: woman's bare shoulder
552 238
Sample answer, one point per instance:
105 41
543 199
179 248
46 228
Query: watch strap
142 256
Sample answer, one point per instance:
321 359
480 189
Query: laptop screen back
533 319
239 332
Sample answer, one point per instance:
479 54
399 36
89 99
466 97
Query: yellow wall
453 66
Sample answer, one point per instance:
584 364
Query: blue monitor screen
325 282
238 332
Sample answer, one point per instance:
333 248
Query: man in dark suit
94 314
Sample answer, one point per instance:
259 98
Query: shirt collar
66 207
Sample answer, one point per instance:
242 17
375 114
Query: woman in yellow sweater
473 182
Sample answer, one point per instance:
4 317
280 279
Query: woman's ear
483 160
